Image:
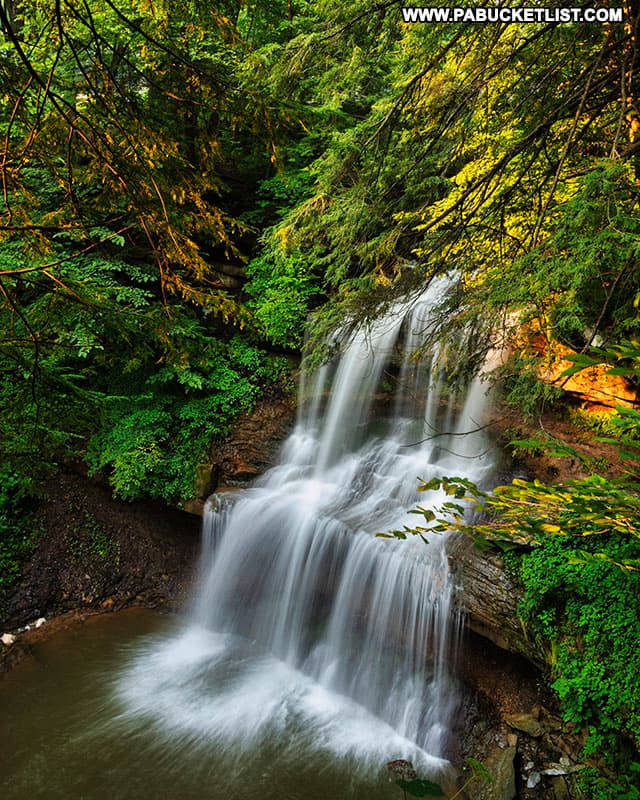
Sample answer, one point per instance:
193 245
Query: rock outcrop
249 450
489 599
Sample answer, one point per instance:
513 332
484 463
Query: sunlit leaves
121 119
523 513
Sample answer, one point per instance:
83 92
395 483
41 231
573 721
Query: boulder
500 763
526 723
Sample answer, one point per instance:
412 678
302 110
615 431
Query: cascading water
307 630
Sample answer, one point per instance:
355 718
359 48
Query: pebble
533 780
7 638
40 622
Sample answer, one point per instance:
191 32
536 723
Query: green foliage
281 288
419 787
17 538
151 443
148 148
527 513
598 422
449 152
524 389
590 610
15 490
594 786
275 196
593 247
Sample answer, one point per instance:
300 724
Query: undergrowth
588 611
17 536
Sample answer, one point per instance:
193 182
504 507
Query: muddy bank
26 640
95 552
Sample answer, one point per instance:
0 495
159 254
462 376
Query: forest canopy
177 179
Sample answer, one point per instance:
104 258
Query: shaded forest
182 186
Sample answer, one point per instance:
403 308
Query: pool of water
136 705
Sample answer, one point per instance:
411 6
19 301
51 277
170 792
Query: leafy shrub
594 786
524 390
599 422
152 443
590 609
281 287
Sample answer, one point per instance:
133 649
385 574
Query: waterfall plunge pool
94 715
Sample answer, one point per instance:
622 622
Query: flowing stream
315 651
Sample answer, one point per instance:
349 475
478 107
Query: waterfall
306 628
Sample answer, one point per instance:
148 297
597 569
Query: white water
307 630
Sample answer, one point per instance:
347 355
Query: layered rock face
250 448
489 599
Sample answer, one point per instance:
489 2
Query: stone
243 471
489 597
7 639
195 507
500 763
533 780
555 769
595 385
552 723
40 622
205 481
526 723
560 788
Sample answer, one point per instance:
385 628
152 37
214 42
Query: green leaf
421 788
425 512
479 769
431 486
